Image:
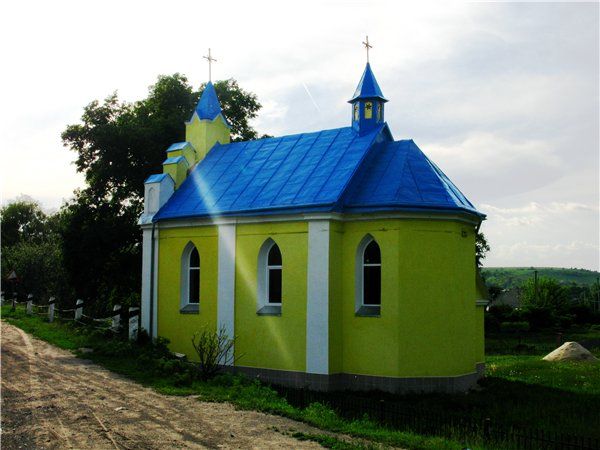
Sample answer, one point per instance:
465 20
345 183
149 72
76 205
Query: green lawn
519 390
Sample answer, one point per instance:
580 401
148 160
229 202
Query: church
338 259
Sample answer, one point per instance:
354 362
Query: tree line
91 247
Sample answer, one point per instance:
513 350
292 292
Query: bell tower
367 101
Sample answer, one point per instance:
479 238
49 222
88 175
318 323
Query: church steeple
207 126
367 103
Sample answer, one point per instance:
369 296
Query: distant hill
509 277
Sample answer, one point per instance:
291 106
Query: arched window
372 274
269 279
190 279
274 275
368 278
194 277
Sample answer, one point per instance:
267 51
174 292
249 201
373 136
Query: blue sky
502 96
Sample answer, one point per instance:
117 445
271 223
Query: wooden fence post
14 302
51 309
133 323
1 298
30 304
78 309
116 319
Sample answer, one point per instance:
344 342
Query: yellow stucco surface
428 316
275 342
179 328
429 324
177 171
187 152
204 134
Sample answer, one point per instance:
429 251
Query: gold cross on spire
210 59
367 46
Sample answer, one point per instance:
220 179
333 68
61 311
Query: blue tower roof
367 87
208 106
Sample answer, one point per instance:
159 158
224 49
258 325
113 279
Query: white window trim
360 308
263 306
184 301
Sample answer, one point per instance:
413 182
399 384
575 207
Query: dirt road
51 400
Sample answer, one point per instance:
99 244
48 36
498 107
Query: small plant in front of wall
214 350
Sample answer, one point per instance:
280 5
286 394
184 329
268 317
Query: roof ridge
345 190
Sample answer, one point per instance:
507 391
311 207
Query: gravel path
52 400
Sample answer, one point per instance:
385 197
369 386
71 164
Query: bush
214 349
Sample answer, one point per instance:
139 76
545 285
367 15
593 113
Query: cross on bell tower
367 47
210 60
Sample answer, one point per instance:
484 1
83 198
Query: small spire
367 47
210 60
208 106
367 87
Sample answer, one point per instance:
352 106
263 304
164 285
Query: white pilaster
146 254
146 281
317 301
226 280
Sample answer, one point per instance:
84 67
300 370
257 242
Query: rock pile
570 351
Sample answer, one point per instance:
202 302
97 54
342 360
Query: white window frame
184 302
264 307
361 309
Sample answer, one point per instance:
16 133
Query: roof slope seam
272 175
295 167
243 146
320 159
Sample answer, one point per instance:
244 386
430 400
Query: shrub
214 349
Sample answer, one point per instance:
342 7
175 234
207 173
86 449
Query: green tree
545 293
22 221
118 144
481 248
31 246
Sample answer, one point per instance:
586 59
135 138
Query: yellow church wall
274 342
428 312
204 134
172 324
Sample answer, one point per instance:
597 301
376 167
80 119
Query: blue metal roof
302 172
177 146
398 175
367 87
333 170
156 178
173 160
208 106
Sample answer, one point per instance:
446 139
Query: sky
503 97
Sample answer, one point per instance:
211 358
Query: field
510 277
520 390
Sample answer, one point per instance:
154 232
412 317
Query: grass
537 342
520 390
